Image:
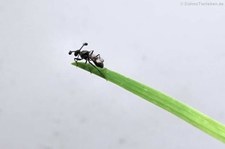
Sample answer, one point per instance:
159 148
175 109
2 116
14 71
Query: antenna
84 44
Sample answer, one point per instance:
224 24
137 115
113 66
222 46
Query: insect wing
99 60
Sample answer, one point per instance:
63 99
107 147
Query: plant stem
181 110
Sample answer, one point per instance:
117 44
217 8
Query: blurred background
46 103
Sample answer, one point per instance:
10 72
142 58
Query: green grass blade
181 110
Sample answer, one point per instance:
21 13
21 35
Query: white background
46 103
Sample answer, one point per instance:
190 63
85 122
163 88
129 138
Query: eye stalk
84 44
78 51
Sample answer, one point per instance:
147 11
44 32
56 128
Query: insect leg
91 52
77 59
98 57
96 68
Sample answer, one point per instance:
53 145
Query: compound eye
85 44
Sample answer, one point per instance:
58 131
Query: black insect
88 56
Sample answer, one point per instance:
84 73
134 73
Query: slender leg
77 59
81 47
96 68
98 57
91 52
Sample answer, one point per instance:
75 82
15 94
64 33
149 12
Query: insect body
88 56
96 59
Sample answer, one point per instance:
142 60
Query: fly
88 56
